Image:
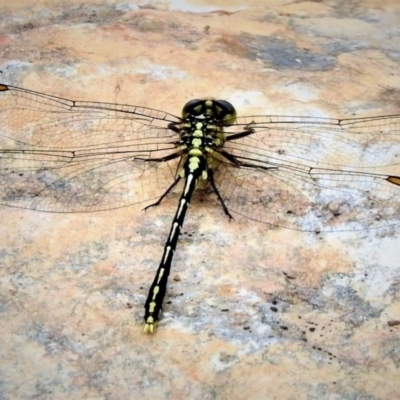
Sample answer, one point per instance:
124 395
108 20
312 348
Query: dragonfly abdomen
194 169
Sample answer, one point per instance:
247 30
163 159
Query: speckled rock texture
252 311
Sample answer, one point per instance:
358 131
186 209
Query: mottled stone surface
253 312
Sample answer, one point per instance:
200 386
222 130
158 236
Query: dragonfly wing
315 174
59 155
316 200
321 142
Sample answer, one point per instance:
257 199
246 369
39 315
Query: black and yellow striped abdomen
201 133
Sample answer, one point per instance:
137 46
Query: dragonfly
303 173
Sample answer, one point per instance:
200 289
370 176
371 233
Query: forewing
67 156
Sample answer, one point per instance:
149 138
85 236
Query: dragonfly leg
216 191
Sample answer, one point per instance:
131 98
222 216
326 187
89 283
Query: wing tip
394 179
3 87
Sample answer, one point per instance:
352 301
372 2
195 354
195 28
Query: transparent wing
301 173
67 156
315 174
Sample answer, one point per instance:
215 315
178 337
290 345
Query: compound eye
225 112
193 107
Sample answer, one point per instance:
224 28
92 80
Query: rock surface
252 311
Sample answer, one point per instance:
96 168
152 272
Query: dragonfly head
220 111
